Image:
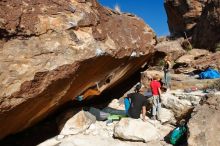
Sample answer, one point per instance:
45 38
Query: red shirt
154 87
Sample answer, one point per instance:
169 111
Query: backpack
177 135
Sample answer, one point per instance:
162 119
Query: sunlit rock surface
196 19
204 128
53 51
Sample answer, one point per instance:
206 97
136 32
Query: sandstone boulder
207 60
192 55
204 128
178 81
206 34
183 15
136 129
181 103
51 52
167 116
198 19
185 59
78 123
172 48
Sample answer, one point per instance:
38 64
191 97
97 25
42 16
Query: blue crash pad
209 74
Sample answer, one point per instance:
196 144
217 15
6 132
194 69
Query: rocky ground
71 46
83 129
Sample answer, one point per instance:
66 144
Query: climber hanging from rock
92 91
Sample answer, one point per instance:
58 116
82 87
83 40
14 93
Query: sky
151 11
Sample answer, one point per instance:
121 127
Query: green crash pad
116 117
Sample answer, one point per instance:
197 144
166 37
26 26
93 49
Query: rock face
53 51
170 47
199 19
204 128
192 55
183 15
206 34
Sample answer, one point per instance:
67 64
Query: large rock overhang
51 52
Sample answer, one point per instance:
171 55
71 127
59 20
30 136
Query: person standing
166 70
156 97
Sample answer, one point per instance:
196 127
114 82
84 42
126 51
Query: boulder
179 107
171 47
167 116
206 33
207 60
197 53
51 52
181 103
178 81
183 15
78 123
136 129
204 128
198 19
185 59
192 56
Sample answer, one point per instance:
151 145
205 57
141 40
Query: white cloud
117 8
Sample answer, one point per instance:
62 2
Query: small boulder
136 129
179 106
78 123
